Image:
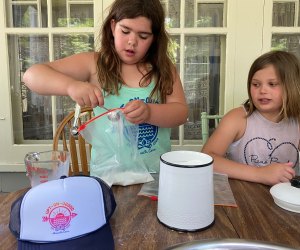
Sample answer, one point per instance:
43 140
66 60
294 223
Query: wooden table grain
135 225
259 218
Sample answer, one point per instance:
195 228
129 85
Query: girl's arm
67 76
231 128
171 114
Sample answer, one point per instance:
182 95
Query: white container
186 192
287 196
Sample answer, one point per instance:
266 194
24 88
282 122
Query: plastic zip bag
115 157
223 195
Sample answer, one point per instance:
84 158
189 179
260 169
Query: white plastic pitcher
46 166
186 192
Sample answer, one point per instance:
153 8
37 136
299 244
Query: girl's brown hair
109 64
287 67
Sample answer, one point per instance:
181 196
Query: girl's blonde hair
109 64
287 67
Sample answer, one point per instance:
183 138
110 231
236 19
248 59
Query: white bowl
286 196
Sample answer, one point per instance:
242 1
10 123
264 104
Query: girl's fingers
80 102
94 101
289 175
99 98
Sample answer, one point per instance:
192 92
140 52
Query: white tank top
266 142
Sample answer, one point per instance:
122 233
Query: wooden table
135 225
259 218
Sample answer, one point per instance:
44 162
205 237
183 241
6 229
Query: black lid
295 182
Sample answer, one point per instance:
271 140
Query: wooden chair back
207 126
79 149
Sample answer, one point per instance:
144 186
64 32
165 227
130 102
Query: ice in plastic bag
115 157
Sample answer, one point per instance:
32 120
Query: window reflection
73 14
209 15
287 42
22 14
283 14
81 15
203 14
25 16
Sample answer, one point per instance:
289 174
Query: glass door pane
70 13
201 80
287 42
172 12
200 57
26 13
174 48
283 14
33 114
203 14
299 13
36 110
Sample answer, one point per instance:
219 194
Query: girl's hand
276 173
86 94
136 112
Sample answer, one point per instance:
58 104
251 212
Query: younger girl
259 142
132 70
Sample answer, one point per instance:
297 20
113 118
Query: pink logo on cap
59 216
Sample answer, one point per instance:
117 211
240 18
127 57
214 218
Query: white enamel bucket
186 192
